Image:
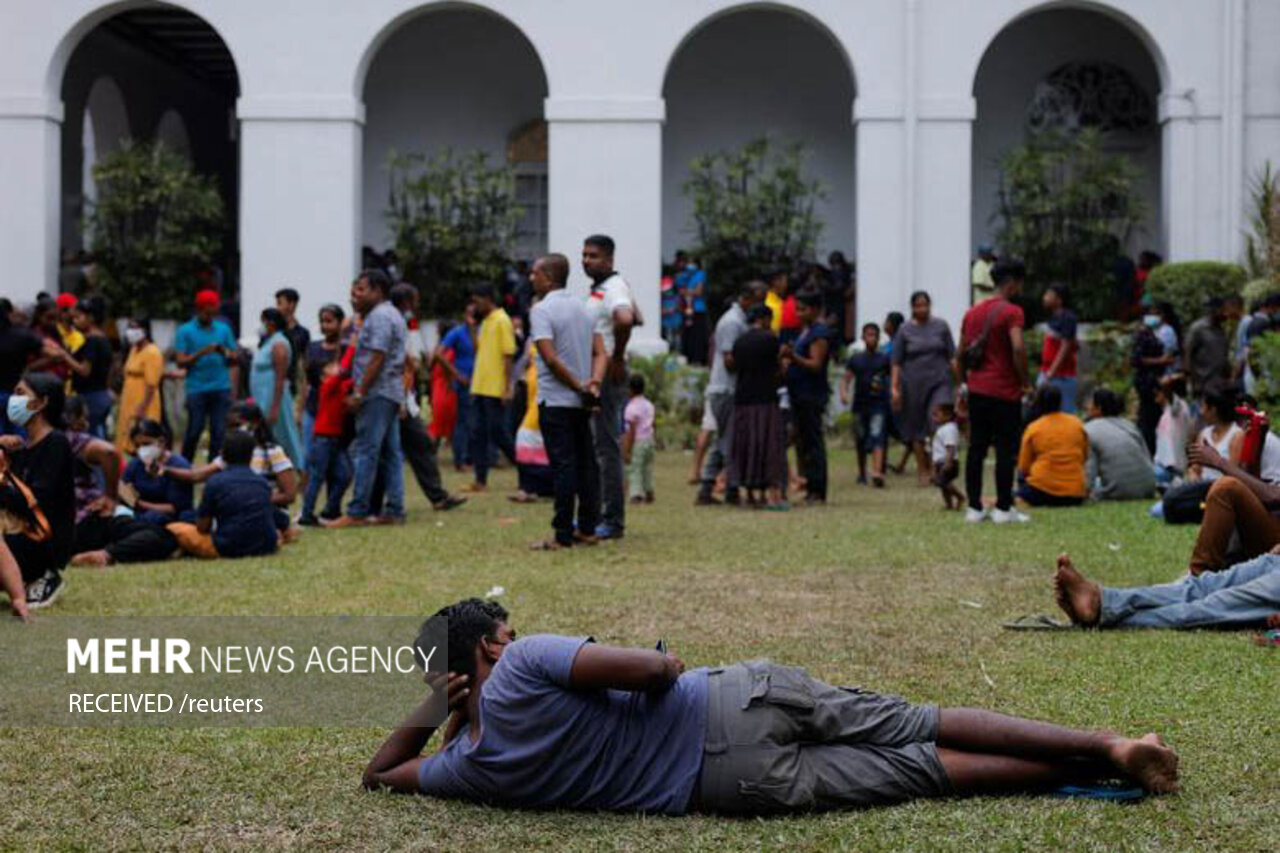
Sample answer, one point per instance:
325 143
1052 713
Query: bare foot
1079 598
94 559
1149 762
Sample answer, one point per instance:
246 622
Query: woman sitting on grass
1054 449
160 499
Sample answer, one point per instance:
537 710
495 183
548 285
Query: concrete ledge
1175 106
605 109
877 109
300 108
31 106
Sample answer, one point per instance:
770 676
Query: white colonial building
905 106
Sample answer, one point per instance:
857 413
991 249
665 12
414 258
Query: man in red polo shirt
996 378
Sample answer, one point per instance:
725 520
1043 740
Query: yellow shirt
1054 450
496 341
143 369
774 303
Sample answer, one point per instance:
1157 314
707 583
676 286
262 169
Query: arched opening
124 79
459 78
1064 70
757 72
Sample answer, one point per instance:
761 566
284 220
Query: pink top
639 413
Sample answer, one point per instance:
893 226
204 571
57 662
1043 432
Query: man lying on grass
1247 595
563 722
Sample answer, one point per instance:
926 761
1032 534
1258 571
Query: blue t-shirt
159 489
687 280
871 373
239 501
459 340
209 372
545 745
804 384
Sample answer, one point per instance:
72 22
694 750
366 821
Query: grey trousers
780 741
606 427
721 404
1243 596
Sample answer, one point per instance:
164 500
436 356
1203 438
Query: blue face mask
17 409
1151 320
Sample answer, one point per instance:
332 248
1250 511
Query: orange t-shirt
1055 448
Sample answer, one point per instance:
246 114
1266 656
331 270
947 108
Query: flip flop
1268 639
1112 792
1037 622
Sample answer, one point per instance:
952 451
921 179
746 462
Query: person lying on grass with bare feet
1245 596
564 722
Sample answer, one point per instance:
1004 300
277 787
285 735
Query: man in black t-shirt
298 335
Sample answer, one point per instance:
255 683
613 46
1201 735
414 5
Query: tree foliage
454 220
1066 207
155 225
753 208
1262 243
1187 284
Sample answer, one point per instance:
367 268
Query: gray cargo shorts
780 741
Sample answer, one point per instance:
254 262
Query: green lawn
881 589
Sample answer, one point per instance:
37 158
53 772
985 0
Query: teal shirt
209 372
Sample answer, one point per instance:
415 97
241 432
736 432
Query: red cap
208 299
66 300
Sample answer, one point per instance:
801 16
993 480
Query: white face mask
134 336
1151 320
149 453
17 409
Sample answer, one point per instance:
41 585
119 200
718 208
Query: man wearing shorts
563 722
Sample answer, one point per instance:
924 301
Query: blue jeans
1241 597
489 433
211 407
99 405
873 432
308 427
328 466
376 452
1068 385
460 441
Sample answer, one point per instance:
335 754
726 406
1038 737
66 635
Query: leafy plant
1188 284
1260 288
454 220
753 208
1262 244
155 225
1265 356
1066 207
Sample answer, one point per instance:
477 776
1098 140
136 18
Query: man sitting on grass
1247 595
563 722
236 517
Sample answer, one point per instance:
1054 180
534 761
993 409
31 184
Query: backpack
972 356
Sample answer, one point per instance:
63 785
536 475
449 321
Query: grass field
881 589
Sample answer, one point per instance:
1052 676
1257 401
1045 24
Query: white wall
755 73
456 78
1019 59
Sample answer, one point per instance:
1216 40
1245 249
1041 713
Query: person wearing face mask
269 383
1149 361
143 371
160 499
45 462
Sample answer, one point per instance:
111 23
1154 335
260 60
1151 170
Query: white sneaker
973 516
1009 516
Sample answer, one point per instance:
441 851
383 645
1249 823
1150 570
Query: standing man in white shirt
614 314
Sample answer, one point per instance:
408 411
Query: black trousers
126 539
420 452
998 423
1149 413
566 433
811 445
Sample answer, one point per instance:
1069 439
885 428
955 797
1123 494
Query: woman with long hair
269 383
922 377
140 397
90 364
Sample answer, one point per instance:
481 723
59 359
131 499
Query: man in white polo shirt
614 314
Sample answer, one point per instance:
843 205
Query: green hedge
1258 289
1187 285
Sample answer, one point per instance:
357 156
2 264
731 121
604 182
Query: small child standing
946 455
328 464
637 442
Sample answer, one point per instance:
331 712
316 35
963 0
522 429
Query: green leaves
454 219
1262 244
1066 208
155 225
753 208
1188 284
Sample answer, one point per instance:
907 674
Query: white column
299 200
1178 180
881 211
940 237
605 176
31 198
